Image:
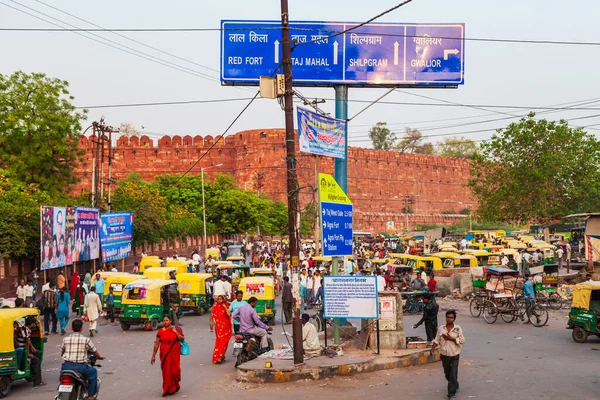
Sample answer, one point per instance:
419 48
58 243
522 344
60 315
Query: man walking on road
450 339
430 312
287 299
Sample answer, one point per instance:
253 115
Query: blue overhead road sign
378 54
336 220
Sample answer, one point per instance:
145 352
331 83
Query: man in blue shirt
99 284
529 295
237 303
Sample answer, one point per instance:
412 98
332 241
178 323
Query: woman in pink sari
220 318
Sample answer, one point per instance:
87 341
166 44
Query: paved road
499 361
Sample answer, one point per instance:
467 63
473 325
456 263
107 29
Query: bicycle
413 304
511 309
319 320
476 303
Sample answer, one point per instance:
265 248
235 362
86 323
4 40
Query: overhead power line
162 103
163 30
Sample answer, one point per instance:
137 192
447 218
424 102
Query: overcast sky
495 73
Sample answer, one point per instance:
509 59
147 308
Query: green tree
412 142
457 147
381 137
39 131
20 218
147 204
536 169
307 219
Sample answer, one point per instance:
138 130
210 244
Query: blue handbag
185 348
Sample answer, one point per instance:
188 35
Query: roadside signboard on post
350 297
377 54
116 234
336 218
321 135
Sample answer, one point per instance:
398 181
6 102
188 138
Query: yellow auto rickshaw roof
150 257
582 294
404 255
261 271
321 258
466 257
257 279
445 254
379 261
476 253
124 277
192 276
177 263
235 258
7 317
152 284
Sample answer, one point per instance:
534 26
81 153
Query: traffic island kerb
281 371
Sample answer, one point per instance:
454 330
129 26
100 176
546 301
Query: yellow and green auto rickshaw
466 261
192 291
117 282
429 263
146 301
584 317
182 266
214 252
263 289
448 258
235 272
237 260
150 262
9 370
104 275
164 273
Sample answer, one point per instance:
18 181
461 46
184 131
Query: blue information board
337 228
379 54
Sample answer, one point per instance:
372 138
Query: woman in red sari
168 338
220 318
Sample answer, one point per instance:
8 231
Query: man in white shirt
449 339
310 337
380 281
519 261
504 260
21 290
559 256
222 287
29 293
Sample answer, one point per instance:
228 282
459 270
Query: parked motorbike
247 347
74 386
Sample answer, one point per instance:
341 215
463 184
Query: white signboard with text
350 297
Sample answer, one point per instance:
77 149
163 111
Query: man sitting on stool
310 337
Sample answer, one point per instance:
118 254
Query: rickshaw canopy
182 266
144 291
118 281
192 283
263 288
7 317
160 273
582 294
150 262
501 271
105 275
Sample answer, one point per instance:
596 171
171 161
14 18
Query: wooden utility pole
292 177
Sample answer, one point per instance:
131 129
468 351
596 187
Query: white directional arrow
335 52
323 213
277 51
447 52
325 242
396 53
324 225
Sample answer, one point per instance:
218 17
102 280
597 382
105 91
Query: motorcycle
73 386
247 347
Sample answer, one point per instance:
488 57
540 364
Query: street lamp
203 205
470 219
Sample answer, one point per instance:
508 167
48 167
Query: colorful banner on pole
86 237
116 233
68 235
321 135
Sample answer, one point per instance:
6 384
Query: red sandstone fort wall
377 180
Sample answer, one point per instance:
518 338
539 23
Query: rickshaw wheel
579 335
490 312
508 317
539 316
4 386
554 301
475 306
201 310
125 326
154 324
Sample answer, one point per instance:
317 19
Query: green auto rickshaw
264 290
146 301
584 317
9 371
117 282
192 289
